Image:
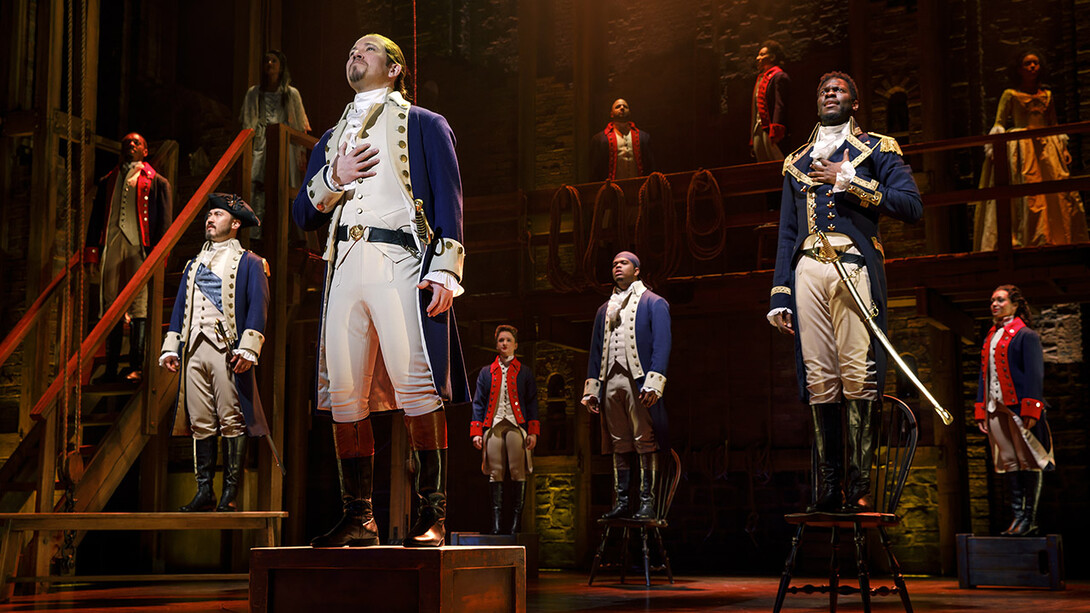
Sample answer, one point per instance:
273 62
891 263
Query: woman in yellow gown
1042 219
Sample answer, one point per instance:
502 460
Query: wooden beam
943 314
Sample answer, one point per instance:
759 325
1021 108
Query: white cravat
829 139
361 104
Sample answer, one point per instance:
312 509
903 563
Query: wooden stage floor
567 592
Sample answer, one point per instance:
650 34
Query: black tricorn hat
236 206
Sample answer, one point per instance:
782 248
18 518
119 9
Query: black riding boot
204 465
234 458
138 337
828 445
428 440
622 477
113 355
861 433
1031 482
356 461
520 500
1018 500
430 483
497 505
649 471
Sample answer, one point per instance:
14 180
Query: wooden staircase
32 476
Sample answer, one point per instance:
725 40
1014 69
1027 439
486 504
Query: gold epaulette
265 265
888 143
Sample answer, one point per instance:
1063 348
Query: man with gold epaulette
839 183
385 182
216 333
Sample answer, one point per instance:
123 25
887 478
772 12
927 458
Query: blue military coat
250 308
653 341
883 185
434 179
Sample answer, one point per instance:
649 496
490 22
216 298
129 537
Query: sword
229 339
829 254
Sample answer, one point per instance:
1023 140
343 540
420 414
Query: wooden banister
27 321
156 259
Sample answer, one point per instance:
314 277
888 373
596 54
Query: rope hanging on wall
656 192
562 280
609 200
703 186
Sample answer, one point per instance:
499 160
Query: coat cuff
90 255
776 131
780 297
592 387
172 343
450 256
533 427
866 191
1031 408
979 414
476 428
322 195
656 382
252 341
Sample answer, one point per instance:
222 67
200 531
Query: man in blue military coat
216 334
839 183
385 182
626 377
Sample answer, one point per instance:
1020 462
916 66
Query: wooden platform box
1011 561
388 579
529 540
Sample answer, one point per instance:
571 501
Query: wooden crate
529 540
388 579
1010 561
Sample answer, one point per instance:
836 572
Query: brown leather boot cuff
355 439
427 431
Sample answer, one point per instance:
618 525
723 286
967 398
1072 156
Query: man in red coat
131 212
769 110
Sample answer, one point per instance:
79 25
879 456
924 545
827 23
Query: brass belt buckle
355 232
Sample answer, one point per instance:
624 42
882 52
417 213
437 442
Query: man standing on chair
839 183
505 425
385 181
626 376
216 333
131 212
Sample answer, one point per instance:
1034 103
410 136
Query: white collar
364 100
829 139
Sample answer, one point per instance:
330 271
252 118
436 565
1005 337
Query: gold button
404 158
360 180
830 205
401 129
401 144
312 195
404 173
829 193
401 115
408 187
831 227
832 215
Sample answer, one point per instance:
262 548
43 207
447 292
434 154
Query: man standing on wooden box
385 182
216 333
504 424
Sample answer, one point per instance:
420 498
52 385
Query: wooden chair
664 497
897 435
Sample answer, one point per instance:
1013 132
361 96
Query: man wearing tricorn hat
626 376
216 333
385 182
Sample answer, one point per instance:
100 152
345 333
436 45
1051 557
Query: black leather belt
372 234
846 258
